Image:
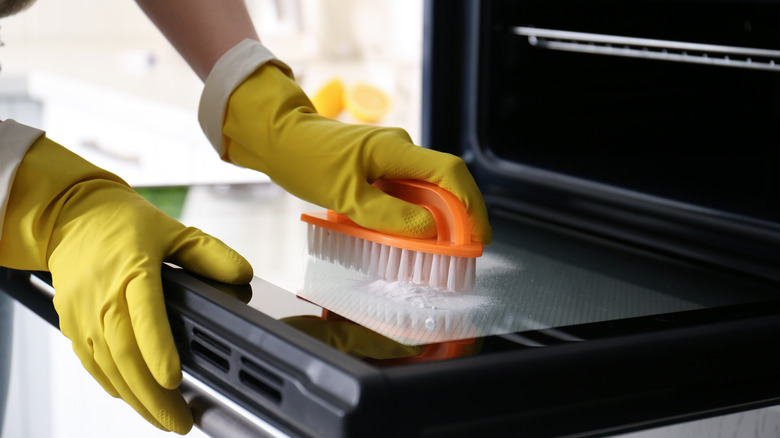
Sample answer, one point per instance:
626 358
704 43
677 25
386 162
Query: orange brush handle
453 228
450 215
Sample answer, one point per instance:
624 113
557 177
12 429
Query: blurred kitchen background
102 81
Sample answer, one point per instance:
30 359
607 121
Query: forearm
201 30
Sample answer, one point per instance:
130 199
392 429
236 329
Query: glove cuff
16 139
228 73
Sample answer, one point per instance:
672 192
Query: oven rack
646 48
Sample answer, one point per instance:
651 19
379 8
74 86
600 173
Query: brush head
393 263
447 261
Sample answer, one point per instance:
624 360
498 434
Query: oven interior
676 99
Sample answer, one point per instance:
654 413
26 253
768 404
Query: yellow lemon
329 100
366 102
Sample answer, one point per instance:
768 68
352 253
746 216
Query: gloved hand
270 125
104 246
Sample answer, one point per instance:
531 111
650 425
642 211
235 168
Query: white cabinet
147 143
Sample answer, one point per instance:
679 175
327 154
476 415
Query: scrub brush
447 261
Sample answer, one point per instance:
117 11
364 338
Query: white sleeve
230 71
15 140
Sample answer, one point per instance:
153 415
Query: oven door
566 334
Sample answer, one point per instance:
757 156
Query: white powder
493 264
409 313
414 295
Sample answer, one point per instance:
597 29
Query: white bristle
327 245
321 235
345 248
452 273
417 270
310 237
384 255
357 252
405 265
335 242
433 274
470 274
365 258
427 267
391 263
373 259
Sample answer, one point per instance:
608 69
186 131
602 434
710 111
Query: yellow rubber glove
271 126
104 245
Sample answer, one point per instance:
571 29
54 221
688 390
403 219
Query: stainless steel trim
45 288
663 50
219 417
